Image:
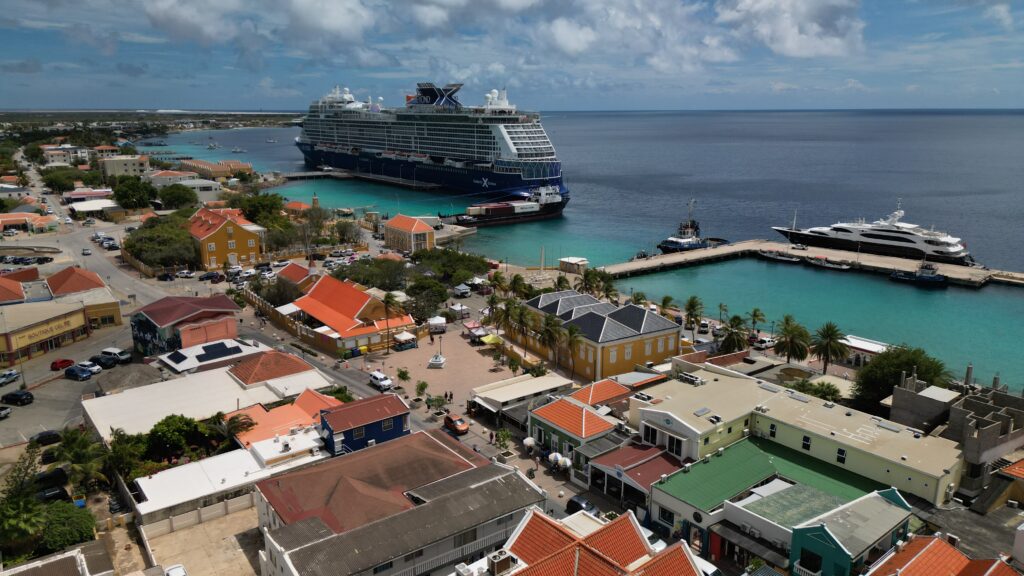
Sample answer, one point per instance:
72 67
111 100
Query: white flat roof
93 205
298 383
271 448
498 393
865 344
940 394
288 309
187 359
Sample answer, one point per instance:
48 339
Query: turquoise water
959 325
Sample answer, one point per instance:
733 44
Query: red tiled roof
304 411
379 475
11 179
651 471
147 216
297 206
206 221
1016 469
407 224
672 561
72 279
619 540
600 392
390 256
84 167
365 411
539 538
268 365
11 290
174 309
933 556
628 456
294 272
573 418
22 274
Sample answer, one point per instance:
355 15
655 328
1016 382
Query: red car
61 364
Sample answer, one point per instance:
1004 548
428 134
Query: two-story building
406 233
224 236
566 425
413 505
366 422
162 178
124 165
615 338
178 322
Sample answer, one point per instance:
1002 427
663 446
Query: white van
380 381
704 327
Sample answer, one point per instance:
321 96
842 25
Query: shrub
66 525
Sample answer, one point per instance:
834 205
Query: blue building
356 425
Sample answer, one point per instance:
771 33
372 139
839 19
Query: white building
161 178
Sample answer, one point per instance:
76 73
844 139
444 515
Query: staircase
993 495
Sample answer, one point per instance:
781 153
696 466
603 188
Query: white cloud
912 88
780 87
267 87
568 36
429 15
136 38
853 85
1000 14
796 28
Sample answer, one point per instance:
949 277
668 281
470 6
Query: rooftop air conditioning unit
686 468
463 570
953 541
754 533
745 527
720 451
499 562
293 431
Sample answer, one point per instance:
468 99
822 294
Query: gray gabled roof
602 308
641 319
600 321
543 300
598 328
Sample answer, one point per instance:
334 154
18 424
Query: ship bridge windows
874 236
842 230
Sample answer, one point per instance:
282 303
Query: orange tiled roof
304 411
172 173
390 256
1016 469
600 392
147 216
73 279
9 179
206 221
268 366
540 537
105 147
11 290
294 272
933 556
573 418
619 540
672 561
340 305
408 224
297 206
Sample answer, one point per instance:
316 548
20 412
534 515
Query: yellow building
32 329
406 233
708 408
124 166
223 235
615 338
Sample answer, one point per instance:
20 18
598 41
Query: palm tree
723 311
793 339
587 282
573 341
492 305
694 308
827 344
609 291
517 286
501 315
666 303
755 315
735 338
523 320
231 427
552 334
390 305
638 298
562 283
83 455
499 283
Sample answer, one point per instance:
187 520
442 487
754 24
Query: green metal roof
753 460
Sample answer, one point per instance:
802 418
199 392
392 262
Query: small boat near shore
778 256
927 276
823 262
237 150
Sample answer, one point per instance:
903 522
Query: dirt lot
225 546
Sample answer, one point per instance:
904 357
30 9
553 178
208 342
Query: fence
198 516
147 270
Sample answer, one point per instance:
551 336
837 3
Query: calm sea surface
631 175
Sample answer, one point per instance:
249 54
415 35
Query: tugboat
688 236
926 276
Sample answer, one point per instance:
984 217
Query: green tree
348 232
229 428
421 388
552 334
21 518
608 291
163 241
694 309
573 340
666 303
66 525
499 283
792 340
562 283
827 344
735 338
170 436
514 365
280 292
126 451
84 457
502 438
517 286
131 192
723 311
876 379
403 376
638 298
60 180
34 153
177 196
391 306
755 316
523 319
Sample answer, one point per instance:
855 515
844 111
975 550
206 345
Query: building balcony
799 570
457 555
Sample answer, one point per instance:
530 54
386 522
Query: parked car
111 246
8 376
208 275
46 438
718 331
89 222
248 273
122 356
90 366
657 544
49 456
268 275
262 266
236 269
577 503
186 274
798 247
218 279
61 364
43 259
380 381
105 362
704 327
78 373
10 232
68 220
86 251
337 253
56 477
764 343
130 228
456 424
4 412
281 263
53 494
18 398
317 256
165 277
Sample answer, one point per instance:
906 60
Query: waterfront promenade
965 275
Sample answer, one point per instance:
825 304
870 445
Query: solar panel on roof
176 357
769 387
800 398
217 351
701 411
890 426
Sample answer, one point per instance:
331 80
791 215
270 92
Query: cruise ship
492 151
888 237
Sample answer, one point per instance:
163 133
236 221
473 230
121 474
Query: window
538 433
405 423
650 435
706 440
505 519
230 230
387 424
627 352
729 430
666 516
467 537
414 555
358 433
661 344
771 430
213 261
382 568
647 348
567 449
583 352
252 243
806 443
231 244
746 423
211 247
841 456
613 355
675 446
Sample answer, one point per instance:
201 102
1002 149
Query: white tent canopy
437 321
458 307
405 336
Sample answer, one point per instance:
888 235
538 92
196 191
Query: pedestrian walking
492 437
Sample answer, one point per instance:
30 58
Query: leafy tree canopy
177 196
163 241
170 436
66 525
876 380
132 192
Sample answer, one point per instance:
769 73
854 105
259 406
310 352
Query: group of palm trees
792 340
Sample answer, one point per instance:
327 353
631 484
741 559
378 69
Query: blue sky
551 55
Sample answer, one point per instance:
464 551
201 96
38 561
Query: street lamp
773 328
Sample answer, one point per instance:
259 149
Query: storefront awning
485 404
732 534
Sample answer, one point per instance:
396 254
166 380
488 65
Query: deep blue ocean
632 173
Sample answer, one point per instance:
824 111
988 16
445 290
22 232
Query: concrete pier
964 275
